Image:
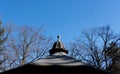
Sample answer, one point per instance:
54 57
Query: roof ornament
58 38
58 46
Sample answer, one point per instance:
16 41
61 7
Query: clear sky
65 17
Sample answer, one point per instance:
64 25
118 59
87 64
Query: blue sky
65 17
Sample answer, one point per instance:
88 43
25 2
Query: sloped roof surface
59 58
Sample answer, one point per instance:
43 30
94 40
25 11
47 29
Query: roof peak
58 46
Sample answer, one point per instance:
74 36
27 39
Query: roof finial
58 46
58 37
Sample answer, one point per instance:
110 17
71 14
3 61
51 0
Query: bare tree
4 33
73 50
92 46
106 36
26 44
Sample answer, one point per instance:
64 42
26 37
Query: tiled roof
59 58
